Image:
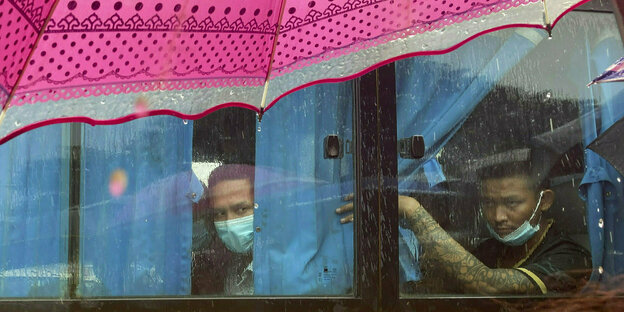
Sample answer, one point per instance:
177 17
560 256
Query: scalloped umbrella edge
260 109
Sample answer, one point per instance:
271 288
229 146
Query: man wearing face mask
527 254
231 203
534 245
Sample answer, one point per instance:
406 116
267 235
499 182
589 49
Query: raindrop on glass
17 123
185 121
255 205
619 180
259 129
611 236
600 270
600 223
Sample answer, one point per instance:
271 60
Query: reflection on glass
494 206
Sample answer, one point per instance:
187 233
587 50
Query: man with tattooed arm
527 254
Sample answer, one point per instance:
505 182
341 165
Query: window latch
412 147
333 147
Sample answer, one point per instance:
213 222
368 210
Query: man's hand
408 206
346 208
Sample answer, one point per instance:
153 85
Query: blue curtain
138 243
435 95
601 186
300 242
34 169
300 247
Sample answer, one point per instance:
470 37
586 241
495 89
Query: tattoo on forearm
472 275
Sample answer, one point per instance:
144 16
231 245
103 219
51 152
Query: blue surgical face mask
523 233
237 234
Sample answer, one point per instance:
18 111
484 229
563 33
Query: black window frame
376 202
376 226
459 302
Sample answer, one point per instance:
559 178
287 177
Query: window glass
34 203
299 245
136 197
506 182
223 206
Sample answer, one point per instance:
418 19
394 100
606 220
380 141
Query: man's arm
472 275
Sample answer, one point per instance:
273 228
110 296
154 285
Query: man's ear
548 197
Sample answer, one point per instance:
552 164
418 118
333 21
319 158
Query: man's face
508 202
232 199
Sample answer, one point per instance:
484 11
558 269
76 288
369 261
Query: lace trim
33 97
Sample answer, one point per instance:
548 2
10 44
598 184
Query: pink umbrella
107 62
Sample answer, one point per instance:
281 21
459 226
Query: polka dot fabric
105 47
330 27
20 23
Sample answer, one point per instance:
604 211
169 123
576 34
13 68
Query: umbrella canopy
106 62
615 72
609 145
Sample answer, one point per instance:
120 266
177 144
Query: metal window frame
456 302
73 240
618 11
376 263
375 275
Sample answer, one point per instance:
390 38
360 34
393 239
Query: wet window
34 216
503 190
161 206
266 224
498 203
